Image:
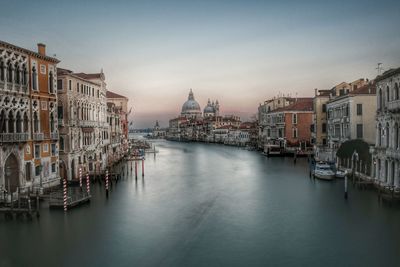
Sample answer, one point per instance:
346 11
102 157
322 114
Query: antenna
379 68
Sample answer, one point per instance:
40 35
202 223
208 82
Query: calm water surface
211 205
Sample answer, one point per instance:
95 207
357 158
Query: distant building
158 132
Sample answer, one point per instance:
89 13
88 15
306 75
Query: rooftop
111 94
300 104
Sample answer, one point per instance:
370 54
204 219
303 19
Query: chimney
316 91
41 49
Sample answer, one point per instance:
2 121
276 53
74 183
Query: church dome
191 107
209 108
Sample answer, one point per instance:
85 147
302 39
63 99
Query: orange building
290 126
28 121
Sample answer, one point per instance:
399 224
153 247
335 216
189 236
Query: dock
75 196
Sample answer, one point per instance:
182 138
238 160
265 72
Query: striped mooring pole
106 183
80 177
87 183
65 194
135 169
142 167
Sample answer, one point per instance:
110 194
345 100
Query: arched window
24 75
17 74
396 136
387 94
51 82
26 123
2 70
387 134
3 128
396 92
35 122
380 99
52 128
379 135
34 78
18 123
11 122
9 72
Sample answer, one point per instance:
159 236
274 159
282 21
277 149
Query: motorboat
341 173
323 171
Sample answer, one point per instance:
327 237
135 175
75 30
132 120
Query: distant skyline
239 52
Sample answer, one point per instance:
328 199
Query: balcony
54 136
393 153
393 105
72 122
88 123
38 136
13 137
61 122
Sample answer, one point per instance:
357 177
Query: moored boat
323 171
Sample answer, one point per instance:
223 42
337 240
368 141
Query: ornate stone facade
386 156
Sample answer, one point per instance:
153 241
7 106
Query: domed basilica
191 108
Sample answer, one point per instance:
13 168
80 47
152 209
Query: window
46 148
396 91
59 84
53 149
387 94
2 71
77 87
53 167
69 85
294 132
60 112
37 151
359 131
294 118
324 141
359 109
34 79
37 170
61 143
323 127
51 82
323 108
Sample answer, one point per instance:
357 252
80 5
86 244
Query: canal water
212 205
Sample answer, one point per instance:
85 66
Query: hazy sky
239 52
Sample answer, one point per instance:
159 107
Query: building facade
28 119
83 124
386 155
352 116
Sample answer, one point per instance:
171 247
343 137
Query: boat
340 173
272 150
323 171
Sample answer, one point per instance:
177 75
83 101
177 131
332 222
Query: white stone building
387 151
352 116
82 122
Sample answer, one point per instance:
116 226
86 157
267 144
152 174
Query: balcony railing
38 136
54 136
14 137
393 105
88 123
393 153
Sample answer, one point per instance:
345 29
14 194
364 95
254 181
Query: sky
239 52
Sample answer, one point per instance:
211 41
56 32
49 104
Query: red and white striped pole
142 167
87 183
80 177
106 183
65 194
